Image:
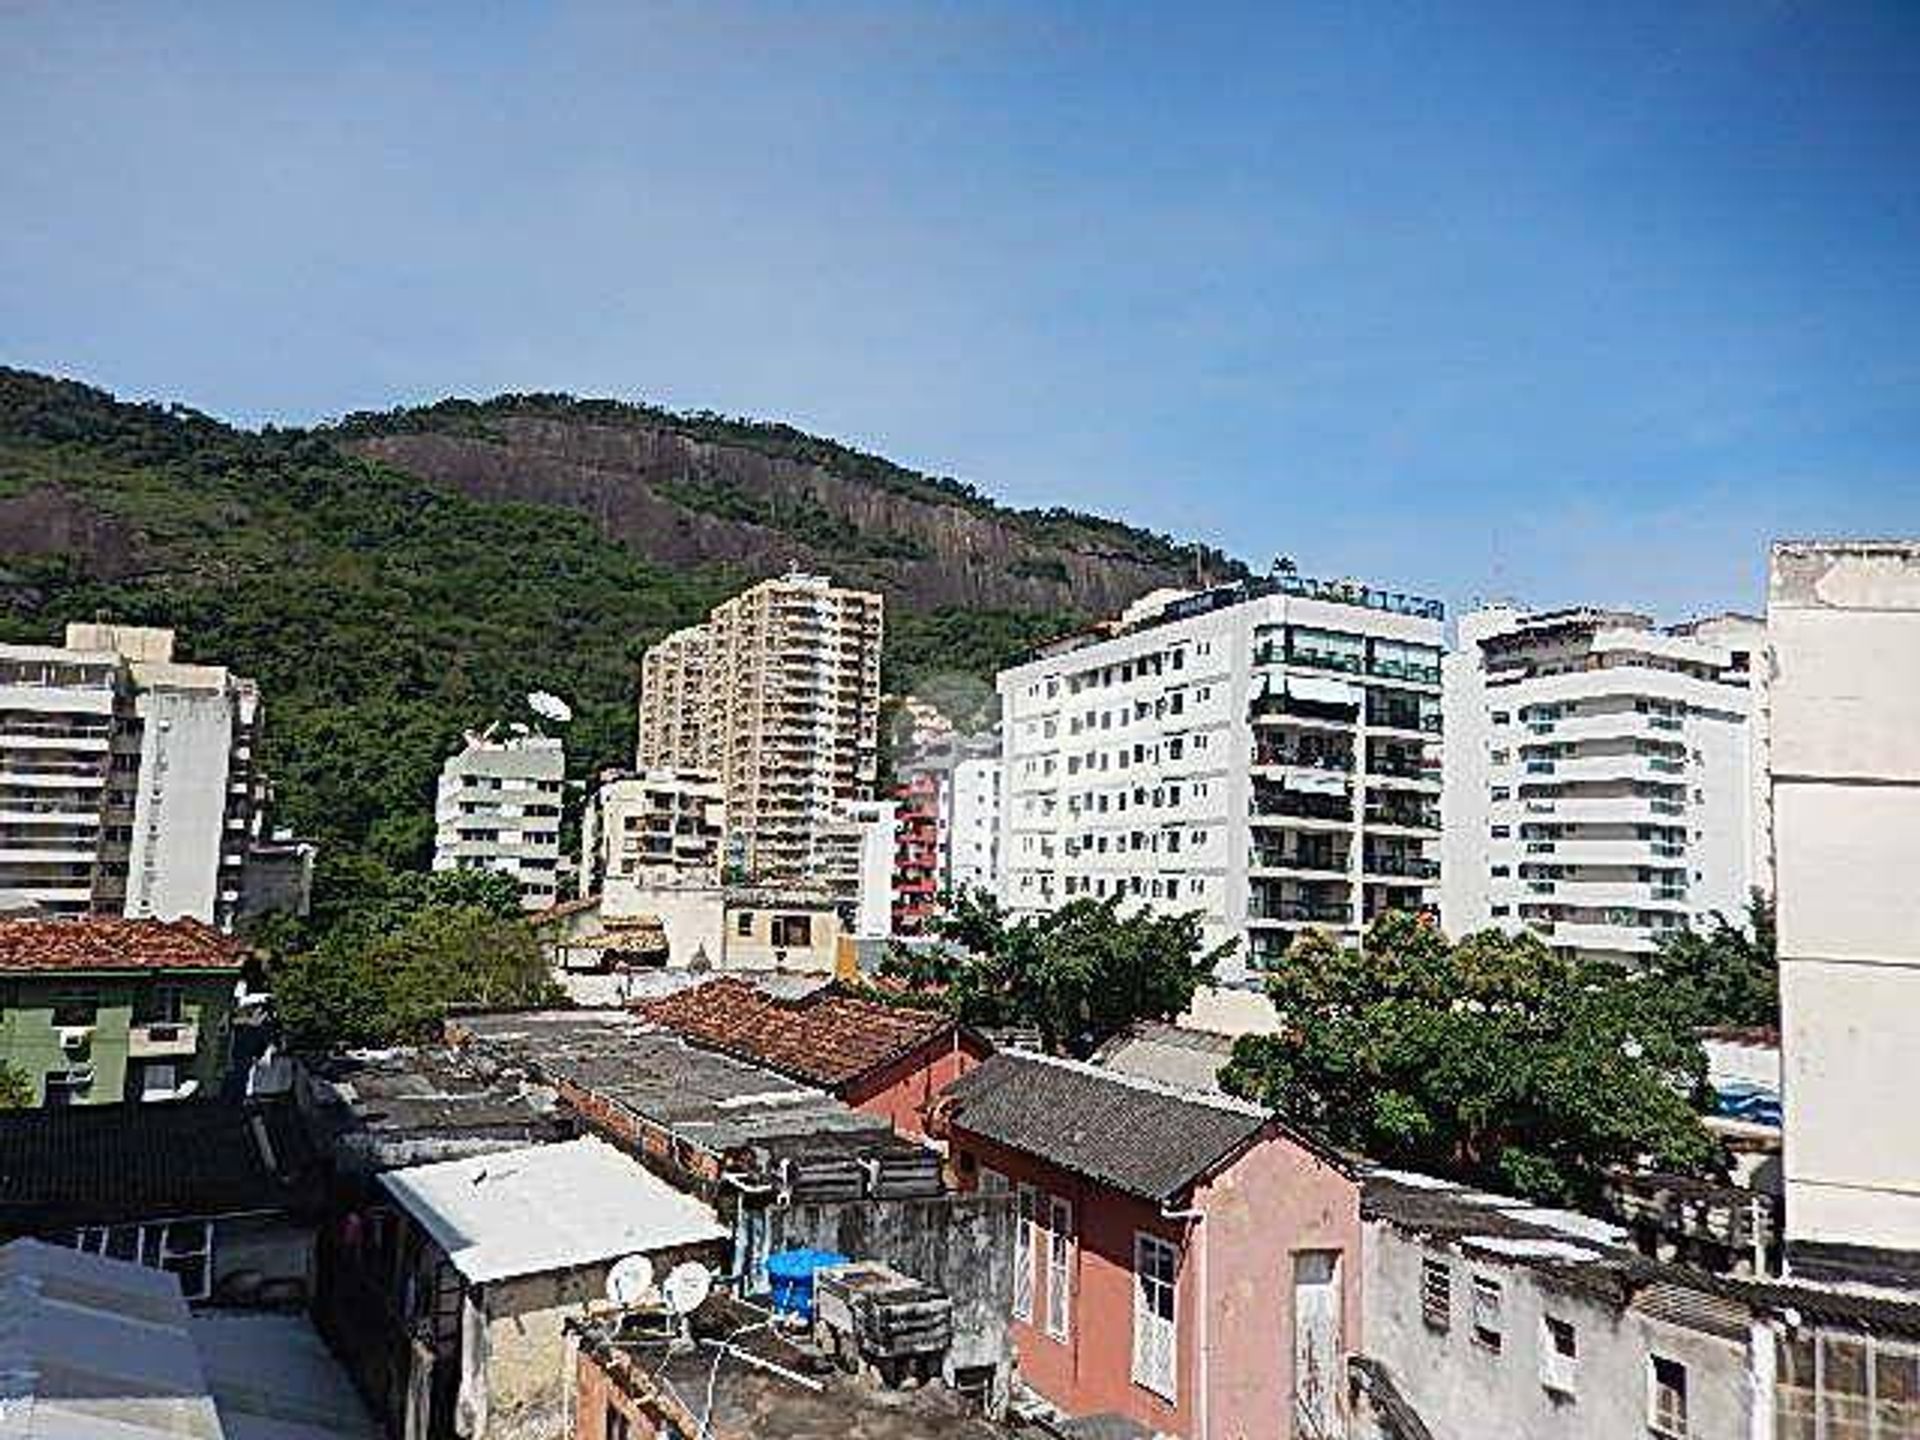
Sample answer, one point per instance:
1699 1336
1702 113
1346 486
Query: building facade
916 862
956 779
1844 633
498 808
1604 777
1266 754
654 827
1182 1260
129 782
779 694
97 1011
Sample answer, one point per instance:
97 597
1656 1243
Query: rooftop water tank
790 1276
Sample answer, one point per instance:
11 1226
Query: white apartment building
498 808
1266 754
1843 624
653 827
857 847
128 783
966 775
1604 777
779 693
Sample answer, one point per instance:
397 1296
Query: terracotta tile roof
829 1040
107 943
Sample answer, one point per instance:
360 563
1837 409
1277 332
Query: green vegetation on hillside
380 613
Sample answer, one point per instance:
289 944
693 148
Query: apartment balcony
1608 725
1272 709
1412 867
1627 851
1384 816
1272 860
1586 935
1280 807
78 778
1615 894
1265 910
1590 768
16 740
162 1039
1596 809
1405 719
1302 757
1408 670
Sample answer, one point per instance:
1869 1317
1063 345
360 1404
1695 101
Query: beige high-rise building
779 694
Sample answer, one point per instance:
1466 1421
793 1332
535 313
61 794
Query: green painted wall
30 1041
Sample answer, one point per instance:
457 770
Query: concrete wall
1463 1389
1844 630
904 1092
961 1243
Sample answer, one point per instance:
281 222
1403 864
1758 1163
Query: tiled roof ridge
1211 1098
35 944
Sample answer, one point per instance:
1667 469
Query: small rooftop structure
670 1097
104 1164
547 1208
1175 1055
273 1378
105 944
830 1039
1138 1136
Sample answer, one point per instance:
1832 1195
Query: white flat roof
547 1208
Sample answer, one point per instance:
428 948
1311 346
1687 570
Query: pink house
1184 1261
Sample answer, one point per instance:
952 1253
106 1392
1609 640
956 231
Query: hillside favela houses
1605 778
1266 753
130 784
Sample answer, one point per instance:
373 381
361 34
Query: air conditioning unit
75 1037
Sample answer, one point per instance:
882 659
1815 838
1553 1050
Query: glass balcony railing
1417 867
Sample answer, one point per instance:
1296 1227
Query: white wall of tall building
1844 629
180 809
1129 763
497 807
970 826
1603 781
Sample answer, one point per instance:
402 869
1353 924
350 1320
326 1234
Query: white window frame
1661 1419
1059 1267
1025 1222
1489 1304
1156 1337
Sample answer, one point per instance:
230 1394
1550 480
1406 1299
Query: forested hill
382 608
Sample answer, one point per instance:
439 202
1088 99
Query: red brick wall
904 1092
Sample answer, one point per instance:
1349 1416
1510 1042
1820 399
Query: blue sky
1567 302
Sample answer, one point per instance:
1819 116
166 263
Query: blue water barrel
790 1277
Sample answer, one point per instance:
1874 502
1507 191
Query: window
183 1248
792 931
1559 1354
1666 1396
743 924
1059 1267
1023 1227
1486 1313
1155 1265
1859 1385
1436 1294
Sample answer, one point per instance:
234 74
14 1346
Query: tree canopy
16 1088
1078 974
1493 1059
1727 974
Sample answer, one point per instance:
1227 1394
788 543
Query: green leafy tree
1729 975
16 1088
1079 974
1494 1060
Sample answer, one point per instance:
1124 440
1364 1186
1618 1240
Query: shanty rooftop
1171 1054
548 1208
713 1101
828 1039
1139 1136
106 945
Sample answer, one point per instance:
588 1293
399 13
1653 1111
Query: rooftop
830 1040
548 1208
102 945
1175 1055
105 1164
707 1099
1139 1136
749 1401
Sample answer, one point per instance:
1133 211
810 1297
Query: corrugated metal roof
548 1208
1146 1139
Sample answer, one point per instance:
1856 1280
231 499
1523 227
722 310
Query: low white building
1604 779
514 1243
1266 754
498 808
652 827
1844 631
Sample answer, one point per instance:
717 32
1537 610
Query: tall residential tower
779 694
1266 753
1605 778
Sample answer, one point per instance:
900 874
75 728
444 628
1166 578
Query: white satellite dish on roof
629 1281
549 707
687 1287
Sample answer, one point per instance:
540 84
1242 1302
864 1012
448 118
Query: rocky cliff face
681 497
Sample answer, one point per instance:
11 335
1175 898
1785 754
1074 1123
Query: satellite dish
549 707
687 1287
629 1280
